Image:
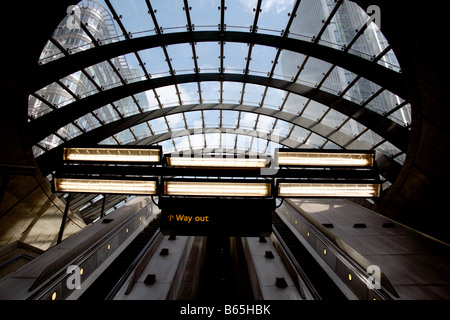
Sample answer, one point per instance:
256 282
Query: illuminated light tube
141 187
331 159
112 154
218 162
217 189
300 189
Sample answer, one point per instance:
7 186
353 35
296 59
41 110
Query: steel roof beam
58 69
47 124
49 160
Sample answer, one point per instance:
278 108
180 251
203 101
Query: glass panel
125 137
248 120
273 17
384 102
232 92
197 141
388 149
265 123
194 119
309 19
315 141
313 72
170 15
51 142
331 145
135 17
176 121
299 134
104 75
338 80
213 140
167 146
37 108
333 119
253 94
108 141
126 106
189 93
205 14
352 128
240 15
262 59
182 143
154 60
282 128
402 116
180 56
235 54
168 96
274 98
133 69
229 119
212 118
88 122
148 100
348 18
141 131
294 103
208 56
370 138
158 125
314 111
258 145
389 60
288 65
362 90
210 92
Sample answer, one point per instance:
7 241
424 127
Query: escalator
323 284
103 285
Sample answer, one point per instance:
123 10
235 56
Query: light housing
106 186
114 154
325 158
217 188
217 161
328 189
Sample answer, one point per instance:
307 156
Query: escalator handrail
133 265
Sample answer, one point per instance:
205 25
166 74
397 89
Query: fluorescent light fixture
327 159
112 154
217 189
218 162
304 189
142 187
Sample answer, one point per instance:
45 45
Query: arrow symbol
170 217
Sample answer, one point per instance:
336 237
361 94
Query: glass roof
234 109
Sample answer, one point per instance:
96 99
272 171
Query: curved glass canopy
230 75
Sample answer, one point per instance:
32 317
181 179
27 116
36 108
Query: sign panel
226 217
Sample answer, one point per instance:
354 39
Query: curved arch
49 160
384 77
51 122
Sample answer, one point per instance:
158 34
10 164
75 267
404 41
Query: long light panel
218 189
218 162
328 159
141 187
303 189
112 154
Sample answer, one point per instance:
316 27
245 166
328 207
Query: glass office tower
68 38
